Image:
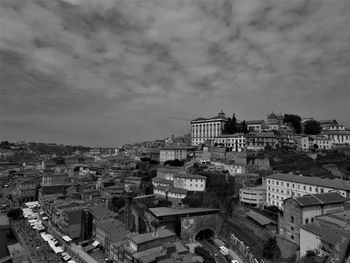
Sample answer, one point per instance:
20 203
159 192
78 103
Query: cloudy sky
108 72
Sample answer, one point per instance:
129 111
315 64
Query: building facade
203 129
253 196
170 153
303 210
282 186
235 142
190 182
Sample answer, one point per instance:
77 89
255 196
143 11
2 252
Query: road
219 258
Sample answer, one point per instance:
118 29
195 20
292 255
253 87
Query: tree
244 128
271 249
230 126
294 121
15 213
118 202
312 127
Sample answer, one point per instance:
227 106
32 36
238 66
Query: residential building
167 173
319 142
282 186
176 194
253 196
104 228
54 179
327 236
190 182
274 121
158 181
169 153
304 210
24 188
160 191
256 125
326 124
258 141
228 165
203 129
235 142
338 137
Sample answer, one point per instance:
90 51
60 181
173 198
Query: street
219 258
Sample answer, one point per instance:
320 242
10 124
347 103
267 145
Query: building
203 129
326 235
169 153
256 125
318 142
326 124
282 186
54 179
338 137
253 196
258 141
176 194
274 121
304 210
235 142
103 229
24 188
190 182
149 247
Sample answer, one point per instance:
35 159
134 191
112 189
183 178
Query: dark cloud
117 70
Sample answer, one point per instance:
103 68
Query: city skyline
115 72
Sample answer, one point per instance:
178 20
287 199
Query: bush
204 254
15 213
271 249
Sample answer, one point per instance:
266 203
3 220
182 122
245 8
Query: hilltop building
203 129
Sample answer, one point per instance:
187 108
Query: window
306 221
322 190
310 188
293 185
312 219
276 182
304 187
292 237
292 219
292 228
269 187
281 183
287 184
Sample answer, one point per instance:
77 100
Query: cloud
119 69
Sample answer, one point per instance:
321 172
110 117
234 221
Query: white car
234 261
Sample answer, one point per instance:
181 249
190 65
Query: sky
107 72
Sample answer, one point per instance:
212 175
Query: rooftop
262 220
177 147
161 180
189 176
110 224
166 211
326 232
177 190
160 234
255 122
100 212
336 183
320 199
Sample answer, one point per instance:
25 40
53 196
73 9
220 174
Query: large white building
282 186
203 129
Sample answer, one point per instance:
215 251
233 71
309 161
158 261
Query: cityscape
174 131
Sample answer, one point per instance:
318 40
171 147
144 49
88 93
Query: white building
190 182
170 153
236 142
203 129
253 196
339 137
256 125
232 168
282 186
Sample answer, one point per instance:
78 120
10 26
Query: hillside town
230 190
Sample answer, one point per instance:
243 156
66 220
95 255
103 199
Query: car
234 261
215 254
